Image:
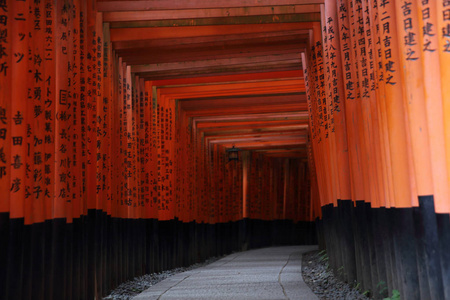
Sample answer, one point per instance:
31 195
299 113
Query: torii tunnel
116 118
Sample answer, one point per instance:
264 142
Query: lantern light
233 154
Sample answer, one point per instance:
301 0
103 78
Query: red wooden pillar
310 71
107 116
307 71
171 137
155 144
19 67
91 108
36 117
322 136
404 187
116 104
98 111
75 129
429 41
83 70
140 127
5 107
371 84
414 100
387 194
327 110
350 92
149 161
203 186
135 146
136 160
159 156
183 163
361 118
336 92
68 176
123 140
128 119
442 22
163 206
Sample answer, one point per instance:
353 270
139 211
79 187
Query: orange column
328 108
159 156
184 164
443 35
313 94
217 173
5 107
36 116
27 120
309 79
91 108
240 179
180 168
169 164
134 149
210 199
136 162
143 198
370 81
49 95
351 106
227 189
139 148
98 92
122 210
62 116
116 104
204 186
84 73
68 176
324 143
336 92
429 43
250 193
19 68
387 194
128 119
107 118
149 165
414 97
363 117
76 115
315 197
245 175
166 211
404 191
155 144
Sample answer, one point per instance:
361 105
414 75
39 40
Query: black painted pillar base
386 249
443 226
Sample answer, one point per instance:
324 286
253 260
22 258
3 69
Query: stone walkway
268 273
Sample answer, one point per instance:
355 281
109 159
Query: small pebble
323 283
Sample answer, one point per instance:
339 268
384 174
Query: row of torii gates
116 118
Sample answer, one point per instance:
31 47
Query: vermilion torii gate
115 118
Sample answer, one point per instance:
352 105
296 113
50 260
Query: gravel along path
323 283
129 289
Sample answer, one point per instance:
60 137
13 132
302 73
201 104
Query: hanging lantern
233 154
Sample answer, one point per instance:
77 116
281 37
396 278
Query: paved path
268 273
